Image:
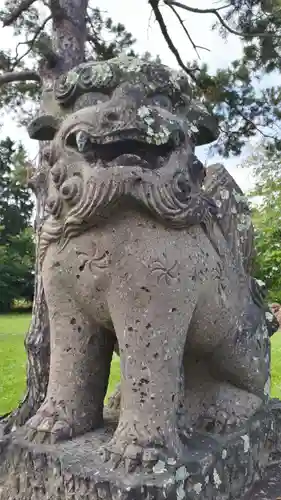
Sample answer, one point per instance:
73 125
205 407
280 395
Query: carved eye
161 101
90 99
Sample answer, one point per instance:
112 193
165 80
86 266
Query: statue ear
43 127
207 124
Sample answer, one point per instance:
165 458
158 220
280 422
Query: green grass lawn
13 362
13 328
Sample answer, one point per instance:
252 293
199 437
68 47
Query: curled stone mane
168 194
107 74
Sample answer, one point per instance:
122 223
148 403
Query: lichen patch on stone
246 440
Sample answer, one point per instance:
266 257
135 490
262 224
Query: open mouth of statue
125 149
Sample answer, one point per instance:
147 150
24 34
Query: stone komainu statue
134 250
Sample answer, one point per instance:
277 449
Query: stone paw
50 424
136 449
218 421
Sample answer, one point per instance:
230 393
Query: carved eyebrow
169 91
165 89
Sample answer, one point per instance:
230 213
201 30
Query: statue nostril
111 116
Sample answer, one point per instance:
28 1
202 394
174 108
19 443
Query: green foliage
260 23
106 39
16 270
268 246
237 94
243 108
15 202
267 218
16 236
232 97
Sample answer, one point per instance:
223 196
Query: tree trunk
68 43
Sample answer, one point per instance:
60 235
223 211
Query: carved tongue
129 160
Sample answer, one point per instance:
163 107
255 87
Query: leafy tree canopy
17 249
15 201
234 94
265 164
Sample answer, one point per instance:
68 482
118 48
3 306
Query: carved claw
130 449
132 457
48 425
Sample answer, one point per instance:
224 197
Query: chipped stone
224 194
217 479
197 488
246 440
181 473
267 386
180 492
269 316
159 467
171 461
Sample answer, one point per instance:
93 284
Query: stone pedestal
220 468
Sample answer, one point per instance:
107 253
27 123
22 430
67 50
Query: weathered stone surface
214 468
93 80
270 487
135 252
233 212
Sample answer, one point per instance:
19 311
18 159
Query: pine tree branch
215 12
14 15
164 31
187 33
19 76
167 38
30 43
44 46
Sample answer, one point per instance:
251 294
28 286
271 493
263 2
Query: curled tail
234 219
233 214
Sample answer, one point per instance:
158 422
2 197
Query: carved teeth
81 140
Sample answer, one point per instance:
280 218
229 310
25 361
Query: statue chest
82 269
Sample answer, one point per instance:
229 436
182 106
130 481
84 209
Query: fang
81 140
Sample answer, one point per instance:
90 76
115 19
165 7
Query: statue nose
111 116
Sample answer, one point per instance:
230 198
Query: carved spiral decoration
95 76
86 77
71 190
58 173
171 198
54 206
175 201
65 86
